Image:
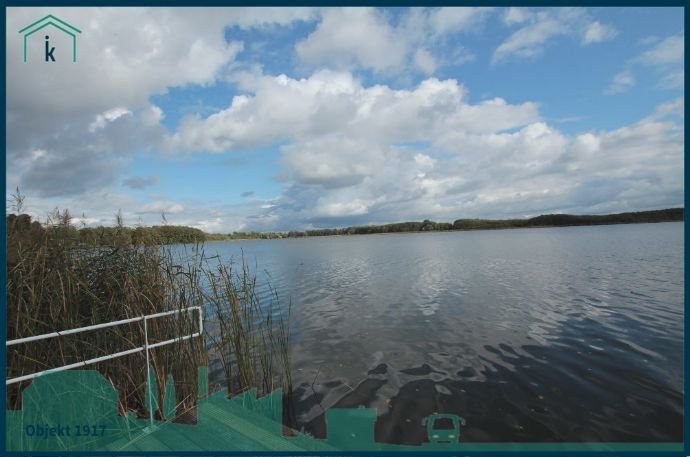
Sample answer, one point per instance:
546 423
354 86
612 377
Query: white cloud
674 80
468 173
529 41
107 116
87 221
637 166
542 27
354 36
90 116
333 161
461 55
159 207
515 15
336 209
359 168
425 61
349 38
597 32
349 141
209 225
166 48
665 57
328 103
673 108
352 152
457 19
621 83
669 51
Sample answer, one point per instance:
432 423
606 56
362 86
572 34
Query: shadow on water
546 395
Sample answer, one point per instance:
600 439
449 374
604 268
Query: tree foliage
120 235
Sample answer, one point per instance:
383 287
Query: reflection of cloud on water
434 285
429 309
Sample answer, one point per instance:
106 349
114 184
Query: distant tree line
249 236
563 220
158 234
175 234
118 235
399 227
547 220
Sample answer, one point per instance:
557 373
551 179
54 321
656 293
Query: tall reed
57 279
252 337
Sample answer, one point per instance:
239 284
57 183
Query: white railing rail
145 347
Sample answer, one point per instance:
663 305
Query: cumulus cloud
381 155
75 158
358 151
533 170
53 173
457 19
107 116
351 152
166 48
470 173
333 161
223 218
348 38
91 115
283 108
425 61
353 36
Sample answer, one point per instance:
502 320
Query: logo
57 23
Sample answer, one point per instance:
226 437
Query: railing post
148 370
146 347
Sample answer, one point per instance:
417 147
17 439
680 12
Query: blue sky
291 118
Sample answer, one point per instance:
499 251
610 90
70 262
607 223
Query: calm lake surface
558 334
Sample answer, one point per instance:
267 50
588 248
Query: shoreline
443 231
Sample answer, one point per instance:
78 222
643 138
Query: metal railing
145 347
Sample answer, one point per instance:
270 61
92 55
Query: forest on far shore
175 234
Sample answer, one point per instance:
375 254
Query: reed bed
252 335
56 281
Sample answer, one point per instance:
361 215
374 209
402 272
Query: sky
276 119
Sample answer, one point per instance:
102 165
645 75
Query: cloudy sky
232 119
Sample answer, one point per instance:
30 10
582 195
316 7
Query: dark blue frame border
210 3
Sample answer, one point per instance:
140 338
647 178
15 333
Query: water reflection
570 334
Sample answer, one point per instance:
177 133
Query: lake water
558 334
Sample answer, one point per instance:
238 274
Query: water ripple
571 334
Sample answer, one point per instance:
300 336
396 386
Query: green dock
78 411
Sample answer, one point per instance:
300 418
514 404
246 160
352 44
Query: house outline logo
58 24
